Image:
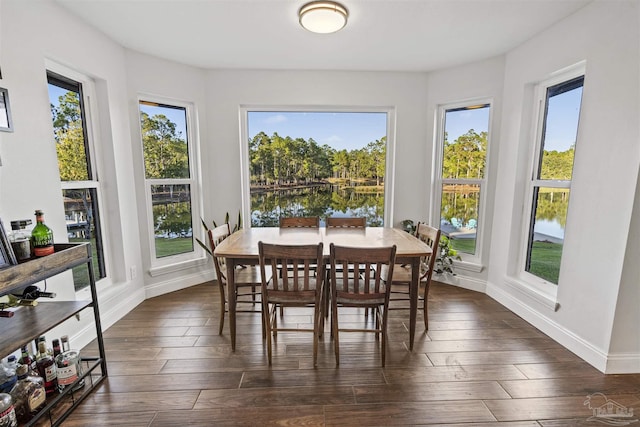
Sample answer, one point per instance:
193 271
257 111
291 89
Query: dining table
241 248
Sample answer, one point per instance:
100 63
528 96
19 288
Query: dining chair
346 222
401 278
248 279
300 221
298 285
334 222
367 287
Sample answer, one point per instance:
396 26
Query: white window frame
540 287
172 263
390 151
91 119
471 262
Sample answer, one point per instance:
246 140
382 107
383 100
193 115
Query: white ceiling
381 35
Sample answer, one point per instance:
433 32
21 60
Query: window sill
177 266
546 299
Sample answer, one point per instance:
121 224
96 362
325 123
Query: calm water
327 200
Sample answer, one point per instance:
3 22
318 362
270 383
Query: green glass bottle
41 237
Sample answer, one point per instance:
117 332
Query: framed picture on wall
5 111
7 256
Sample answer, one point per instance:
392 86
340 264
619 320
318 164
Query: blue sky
338 130
355 130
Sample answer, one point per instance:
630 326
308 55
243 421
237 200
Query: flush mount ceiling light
323 16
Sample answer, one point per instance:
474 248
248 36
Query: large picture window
550 184
317 163
79 182
169 182
464 136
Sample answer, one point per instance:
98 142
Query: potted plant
446 255
235 228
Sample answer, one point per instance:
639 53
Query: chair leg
424 309
223 307
334 331
318 319
267 318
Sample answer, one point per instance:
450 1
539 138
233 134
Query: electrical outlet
134 272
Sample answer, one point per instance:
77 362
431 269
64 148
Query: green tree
165 151
69 137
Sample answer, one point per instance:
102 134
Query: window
550 183
169 181
80 185
464 136
317 163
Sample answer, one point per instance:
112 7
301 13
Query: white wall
605 34
227 91
470 82
598 275
32 33
150 76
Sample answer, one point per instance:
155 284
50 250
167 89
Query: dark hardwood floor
478 365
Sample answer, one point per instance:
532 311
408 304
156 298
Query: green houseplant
446 255
237 226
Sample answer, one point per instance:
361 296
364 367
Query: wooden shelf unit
28 323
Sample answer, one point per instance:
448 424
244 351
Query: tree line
277 160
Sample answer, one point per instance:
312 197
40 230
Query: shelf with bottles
28 323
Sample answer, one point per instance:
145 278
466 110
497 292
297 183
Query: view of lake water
322 200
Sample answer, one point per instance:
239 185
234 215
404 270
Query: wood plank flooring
478 365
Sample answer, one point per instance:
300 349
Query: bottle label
8 417
43 251
36 399
67 375
50 373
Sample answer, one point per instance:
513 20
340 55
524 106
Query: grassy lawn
545 257
179 245
545 260
467 246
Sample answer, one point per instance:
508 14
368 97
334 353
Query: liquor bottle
28 361
41 237
7 411
28 395
8 375
56 347
47 368
70 358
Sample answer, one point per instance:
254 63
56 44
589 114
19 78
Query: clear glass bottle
20 239
70 358
41 237
8 375
47 368
28 395
7 411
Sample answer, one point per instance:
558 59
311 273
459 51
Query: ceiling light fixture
323 16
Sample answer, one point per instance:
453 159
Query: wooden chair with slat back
334 222
348 222
401 278
297 286
367 288
248 279
300 221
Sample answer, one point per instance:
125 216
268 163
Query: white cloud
278 118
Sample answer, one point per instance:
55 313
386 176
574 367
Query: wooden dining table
241 248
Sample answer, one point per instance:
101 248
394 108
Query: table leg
231 294
413 299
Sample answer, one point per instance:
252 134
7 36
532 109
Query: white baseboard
583 349
177 284
113 307
466 282
623 363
